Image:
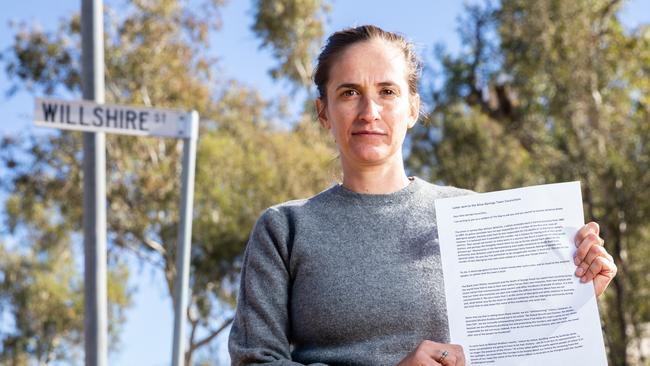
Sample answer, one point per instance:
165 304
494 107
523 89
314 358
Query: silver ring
442 357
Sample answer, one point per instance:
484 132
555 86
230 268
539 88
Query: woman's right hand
430 353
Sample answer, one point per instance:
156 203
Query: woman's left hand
593 261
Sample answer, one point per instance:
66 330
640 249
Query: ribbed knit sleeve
260 330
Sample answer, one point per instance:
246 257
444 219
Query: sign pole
94 119
184 241
94 196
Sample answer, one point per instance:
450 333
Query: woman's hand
593 261
430 353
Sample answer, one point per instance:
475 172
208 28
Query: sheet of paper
512 296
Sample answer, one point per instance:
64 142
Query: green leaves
553 91
156 53
293 30
46 59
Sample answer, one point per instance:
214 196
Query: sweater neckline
373 198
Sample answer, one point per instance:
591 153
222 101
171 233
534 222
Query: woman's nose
369 110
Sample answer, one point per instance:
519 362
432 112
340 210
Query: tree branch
194 323
212 334
607 10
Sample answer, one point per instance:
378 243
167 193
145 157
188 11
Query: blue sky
146 339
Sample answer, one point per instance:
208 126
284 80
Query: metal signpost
94 186
94 196
97 119
184 237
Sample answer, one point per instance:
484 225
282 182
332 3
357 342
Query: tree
553 91
41 290
293 30
245 162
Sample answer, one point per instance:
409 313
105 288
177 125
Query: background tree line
542 92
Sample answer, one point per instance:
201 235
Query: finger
444 356
450 360
605 276
589 241
422 357
425 354
591 271
428 358
461 356
440 355
425 361
428 361
591 227
455 356
431 349
600 266
594 252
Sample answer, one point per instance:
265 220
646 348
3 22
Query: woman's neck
379 179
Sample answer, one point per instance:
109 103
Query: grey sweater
342 278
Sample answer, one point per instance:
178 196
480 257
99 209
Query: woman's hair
339 41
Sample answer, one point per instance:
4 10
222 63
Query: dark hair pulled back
341 40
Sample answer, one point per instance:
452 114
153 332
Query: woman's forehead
376 59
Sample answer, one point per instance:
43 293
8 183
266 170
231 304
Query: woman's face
368 108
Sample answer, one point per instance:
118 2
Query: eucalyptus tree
549 91
156 53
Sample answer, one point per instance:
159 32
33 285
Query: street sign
81 115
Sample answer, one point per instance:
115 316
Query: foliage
40 287
550 91
293 30
43 297
245 162
543 91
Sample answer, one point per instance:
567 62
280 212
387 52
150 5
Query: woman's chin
371 156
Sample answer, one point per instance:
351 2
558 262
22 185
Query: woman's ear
322 113
414 109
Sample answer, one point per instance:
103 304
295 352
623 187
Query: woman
352 276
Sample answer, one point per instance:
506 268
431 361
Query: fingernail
583 279
576 260
580 271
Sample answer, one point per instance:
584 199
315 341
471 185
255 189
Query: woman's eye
349 93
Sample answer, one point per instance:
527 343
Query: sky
147 336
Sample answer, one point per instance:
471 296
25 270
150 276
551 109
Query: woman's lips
377 133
